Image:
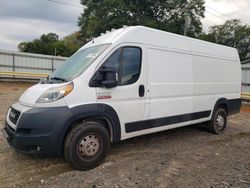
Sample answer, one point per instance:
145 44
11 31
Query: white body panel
170 83
181 75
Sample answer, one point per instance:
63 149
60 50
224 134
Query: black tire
81 149
218 122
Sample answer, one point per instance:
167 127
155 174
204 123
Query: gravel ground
183 157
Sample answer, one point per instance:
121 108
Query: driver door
129 96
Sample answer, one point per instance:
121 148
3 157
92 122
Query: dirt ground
184 157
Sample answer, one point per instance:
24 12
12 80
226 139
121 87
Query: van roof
161 39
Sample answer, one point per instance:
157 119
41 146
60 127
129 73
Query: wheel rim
89 146
220 121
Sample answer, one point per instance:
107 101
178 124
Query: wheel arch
95 112
223 103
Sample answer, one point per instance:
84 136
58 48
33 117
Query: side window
127 62
114 60
131 65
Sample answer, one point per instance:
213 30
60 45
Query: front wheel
86 145
218 122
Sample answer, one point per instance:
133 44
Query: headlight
56 93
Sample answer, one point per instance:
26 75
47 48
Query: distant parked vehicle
125 83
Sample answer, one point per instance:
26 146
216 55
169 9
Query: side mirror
109 77
105 77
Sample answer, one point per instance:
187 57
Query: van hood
31 95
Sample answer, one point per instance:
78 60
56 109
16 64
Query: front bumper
39 130
21 143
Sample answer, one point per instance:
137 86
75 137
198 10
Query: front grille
14 115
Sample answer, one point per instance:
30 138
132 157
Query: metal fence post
13 65
52 64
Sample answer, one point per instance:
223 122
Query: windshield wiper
58 78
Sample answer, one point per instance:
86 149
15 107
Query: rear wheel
219 121
86 145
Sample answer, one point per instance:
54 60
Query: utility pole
187 18
187 24
234 37
55 52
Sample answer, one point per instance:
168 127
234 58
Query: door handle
141 91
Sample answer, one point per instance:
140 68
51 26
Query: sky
25 20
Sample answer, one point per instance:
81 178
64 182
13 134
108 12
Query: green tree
102 15
43 45
232 33
48 44
72 42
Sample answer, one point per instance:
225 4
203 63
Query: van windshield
78 63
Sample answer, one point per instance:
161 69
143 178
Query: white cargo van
129 82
